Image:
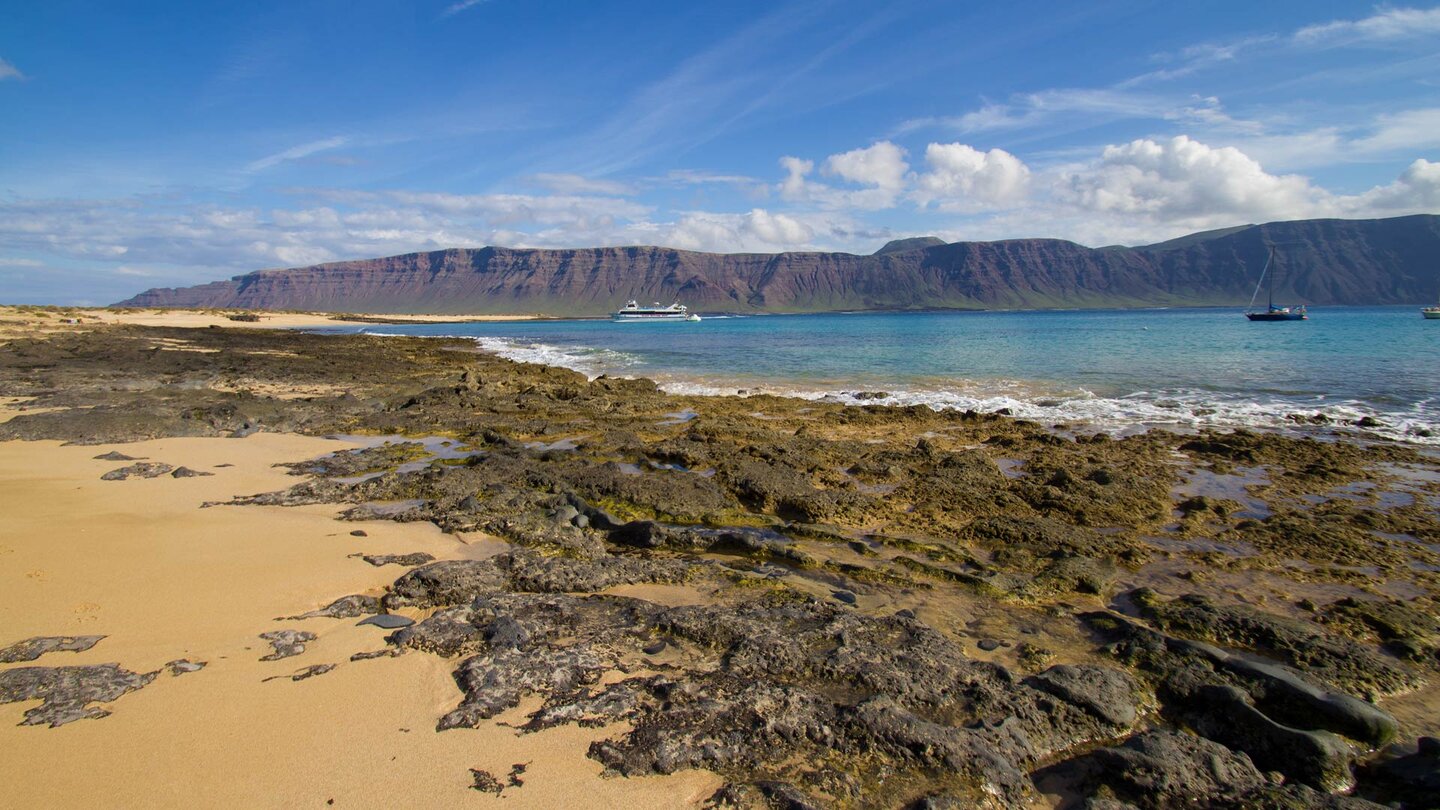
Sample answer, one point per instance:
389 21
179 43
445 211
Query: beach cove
641 598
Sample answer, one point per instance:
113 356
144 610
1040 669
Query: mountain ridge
1323 261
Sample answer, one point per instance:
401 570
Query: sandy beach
24 320
140 562
764 602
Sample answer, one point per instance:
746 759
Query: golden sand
16 321
140 562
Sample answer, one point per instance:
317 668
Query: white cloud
881 165
1387 24
9 71
1412 129
758 230
794 186
962 178
462 5
578 184
296 152
880 168
8 262
1417 189
1186 182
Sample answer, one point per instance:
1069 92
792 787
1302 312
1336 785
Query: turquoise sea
1114 369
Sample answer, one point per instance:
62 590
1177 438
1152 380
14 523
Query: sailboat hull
1276 316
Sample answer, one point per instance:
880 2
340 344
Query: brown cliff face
1390 261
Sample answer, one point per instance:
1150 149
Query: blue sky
167 144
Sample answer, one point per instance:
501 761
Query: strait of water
1114 369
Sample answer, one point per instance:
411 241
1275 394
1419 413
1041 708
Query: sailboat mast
1271 289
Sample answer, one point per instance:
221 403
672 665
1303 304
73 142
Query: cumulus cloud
1186 182
880 168
962 178
1416 189
9 71
1387 24
757 230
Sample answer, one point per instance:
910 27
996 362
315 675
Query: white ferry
632 311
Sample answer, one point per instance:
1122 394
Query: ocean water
1112 369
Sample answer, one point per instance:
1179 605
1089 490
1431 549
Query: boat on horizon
1272 312
1431 313
632 312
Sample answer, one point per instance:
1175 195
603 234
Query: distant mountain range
1320 262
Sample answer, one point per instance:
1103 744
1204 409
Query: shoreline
1071 408
19 319
681 582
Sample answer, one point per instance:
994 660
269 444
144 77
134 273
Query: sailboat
1272 312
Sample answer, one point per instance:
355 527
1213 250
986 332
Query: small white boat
1431 313
632 311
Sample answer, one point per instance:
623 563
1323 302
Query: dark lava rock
406 560
68 691
763 695
988 644
308 672
1336 660
143 469
116 455
1102 692
388 652
847 597
1317 758
286 643
1283 721
183 666
655 648
186 472
1407 774
1164 769
485 782
387 621
346 607
32 648
362 461
359 533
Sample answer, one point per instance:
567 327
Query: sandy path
140 562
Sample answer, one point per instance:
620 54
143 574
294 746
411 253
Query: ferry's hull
665 316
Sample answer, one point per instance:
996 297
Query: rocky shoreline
862 606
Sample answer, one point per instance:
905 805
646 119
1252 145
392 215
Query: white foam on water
587 360
1183 410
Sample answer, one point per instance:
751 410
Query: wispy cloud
7 262
296 153
579 184
1386 25
455 8
9 71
